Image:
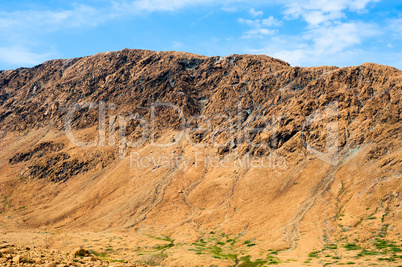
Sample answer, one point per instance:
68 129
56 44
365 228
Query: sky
302 32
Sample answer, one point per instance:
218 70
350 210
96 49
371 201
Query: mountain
228 160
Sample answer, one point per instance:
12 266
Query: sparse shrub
313 254
331 246
351 246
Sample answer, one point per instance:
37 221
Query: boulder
80 252
21 259
9 250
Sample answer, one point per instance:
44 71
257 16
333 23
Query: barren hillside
225 160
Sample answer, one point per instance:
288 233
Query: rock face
78 147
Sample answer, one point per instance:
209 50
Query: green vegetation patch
351 246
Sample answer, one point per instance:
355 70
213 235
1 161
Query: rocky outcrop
239 88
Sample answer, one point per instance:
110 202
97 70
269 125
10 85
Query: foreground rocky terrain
12 255
124 248
191 160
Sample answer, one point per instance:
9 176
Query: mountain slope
291 194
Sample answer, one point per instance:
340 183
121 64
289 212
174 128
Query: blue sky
301 32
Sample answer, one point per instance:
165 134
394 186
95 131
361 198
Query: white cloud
336 38
177 45
315 12
294 57
230 9
158 5
328 37
260 33
21 56
331 43
271 22
138 6
249 22
49 20
258 27
255 13
258 23
315 18
395 27
24 29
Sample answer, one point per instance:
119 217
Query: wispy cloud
259 27
327 37
259 23
336 38
22 56
136 6
395 27
49 20
22 31
255 13
260 33
158 5
271 22
177 45
230 9
315 12
331 43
